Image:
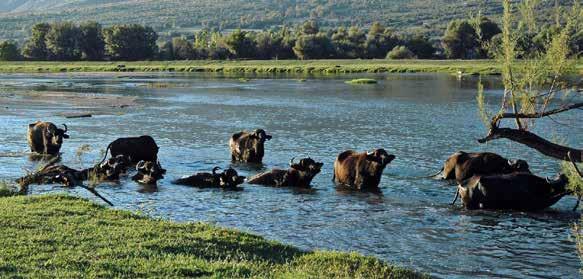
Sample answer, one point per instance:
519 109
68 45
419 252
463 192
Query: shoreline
465 67
64 236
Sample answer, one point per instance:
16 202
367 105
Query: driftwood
52 173
572 159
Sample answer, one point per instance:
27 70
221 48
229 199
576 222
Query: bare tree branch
539 114
534 141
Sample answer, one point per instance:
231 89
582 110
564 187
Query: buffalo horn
66 129
291 162
215 169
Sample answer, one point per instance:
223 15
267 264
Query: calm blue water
421 118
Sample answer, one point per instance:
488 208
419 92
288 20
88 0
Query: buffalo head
56 135
261 135
518 166
380 156
230 178
307 165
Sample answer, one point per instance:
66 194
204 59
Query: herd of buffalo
485 180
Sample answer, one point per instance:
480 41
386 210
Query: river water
421 118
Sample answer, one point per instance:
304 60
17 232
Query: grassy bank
61 236
258 66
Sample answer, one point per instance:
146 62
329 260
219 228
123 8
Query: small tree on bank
9 51
537 86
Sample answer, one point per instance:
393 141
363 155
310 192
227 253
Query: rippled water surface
420 118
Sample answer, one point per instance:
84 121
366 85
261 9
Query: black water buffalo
462 165
248 147
361 171
298 175
111 169
138 149
149 172
46 138
228 179
515 191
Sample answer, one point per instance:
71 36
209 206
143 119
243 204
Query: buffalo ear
65 136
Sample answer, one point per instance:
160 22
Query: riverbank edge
64 236
465 67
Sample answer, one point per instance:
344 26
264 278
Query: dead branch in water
58 174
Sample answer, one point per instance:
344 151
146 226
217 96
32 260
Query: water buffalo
298 175
361 171
110 170
462 165
46 138
138 149
515 191
228 179
149 172
248 147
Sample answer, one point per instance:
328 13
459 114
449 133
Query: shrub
400 52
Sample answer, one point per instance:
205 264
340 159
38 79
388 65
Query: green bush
400 52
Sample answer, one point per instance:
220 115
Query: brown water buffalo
248 147
228 179
462 165
137 149
515 191
298 175
361 171
149 172
46 138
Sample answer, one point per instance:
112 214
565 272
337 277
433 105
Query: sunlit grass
67 237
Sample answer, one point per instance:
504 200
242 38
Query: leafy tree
9 51
379 41
309 27
35 48
240 44
91 41
182 49
130 42
535 86
62 42
313 47
400 52
420 46
166 51
460 40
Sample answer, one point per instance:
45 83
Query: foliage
35 48
316 46
9 51
62 42
91 42
130 42
431 16
66 237
6 190
400 52
460 40
575 181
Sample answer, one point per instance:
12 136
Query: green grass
66 237
261 66
467 67
362 81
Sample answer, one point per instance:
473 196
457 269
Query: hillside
427 16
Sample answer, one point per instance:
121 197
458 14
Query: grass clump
62 236
362 81
6 190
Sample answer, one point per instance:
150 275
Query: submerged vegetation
47 236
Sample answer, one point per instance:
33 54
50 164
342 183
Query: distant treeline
475 38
